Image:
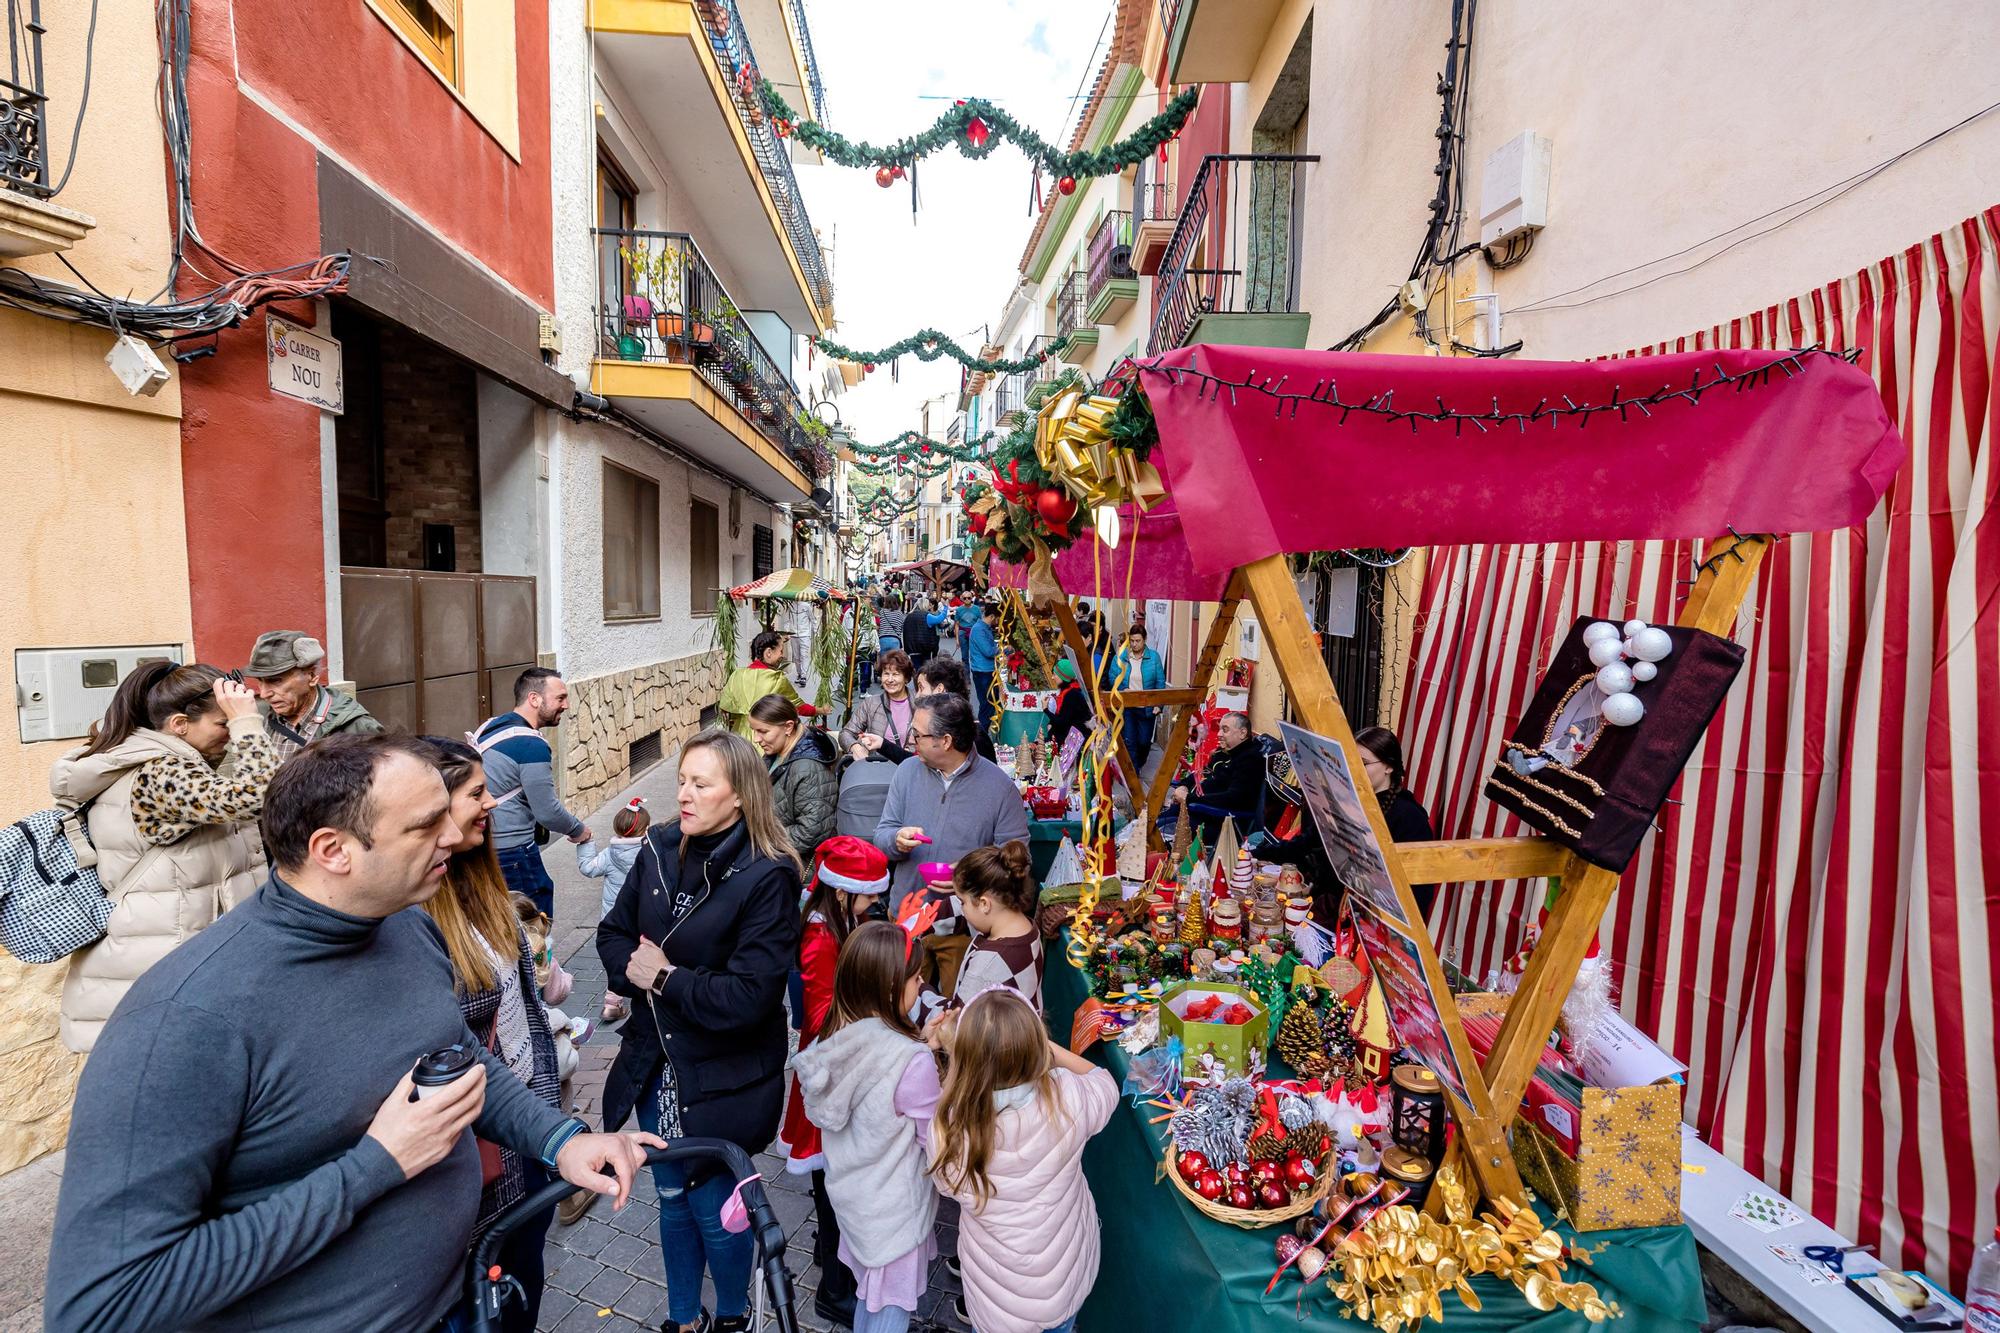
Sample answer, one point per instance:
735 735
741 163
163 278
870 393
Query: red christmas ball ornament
1067 185
1191 1165
868 366
896 172
884 177
1056 506
977 522
1240 1197
1266 1172
1208 1185
1300 1174
977 131
1273 1195
1235 1174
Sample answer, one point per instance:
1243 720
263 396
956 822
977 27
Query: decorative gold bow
1073 446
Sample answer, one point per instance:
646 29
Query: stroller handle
766 1232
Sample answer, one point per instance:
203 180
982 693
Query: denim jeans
1066 1326
521 1256
888 1319
691 1234
982 697
524 872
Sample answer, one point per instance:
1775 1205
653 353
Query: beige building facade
95 540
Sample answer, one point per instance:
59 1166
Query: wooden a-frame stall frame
1494 1090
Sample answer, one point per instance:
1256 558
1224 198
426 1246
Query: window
631 545
432 27
760 551
704 552
617 210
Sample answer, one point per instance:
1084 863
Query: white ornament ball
1615 678
1652 645
1606 651
1600 629
1622 710
1634 627
1644 671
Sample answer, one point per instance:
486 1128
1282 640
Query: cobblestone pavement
606 1272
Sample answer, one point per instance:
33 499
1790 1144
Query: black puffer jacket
722 1016
806 789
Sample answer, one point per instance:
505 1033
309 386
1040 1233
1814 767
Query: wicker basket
1250 1219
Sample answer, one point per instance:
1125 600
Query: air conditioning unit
1121 262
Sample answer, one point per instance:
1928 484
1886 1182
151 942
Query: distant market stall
820 609
1262 453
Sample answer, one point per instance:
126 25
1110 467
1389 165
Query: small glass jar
1267 921
1166 928
1225 920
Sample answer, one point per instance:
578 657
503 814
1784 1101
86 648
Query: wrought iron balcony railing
1110 251
1011 395
24 149
812 61
659 301
1050 368
732 49
1070 303
1235 248
1153 200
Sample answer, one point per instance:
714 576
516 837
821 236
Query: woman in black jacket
1382 761
702 938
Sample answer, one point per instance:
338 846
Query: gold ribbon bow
1074 447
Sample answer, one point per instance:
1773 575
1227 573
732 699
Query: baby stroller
490 1288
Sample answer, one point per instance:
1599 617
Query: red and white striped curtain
1813 924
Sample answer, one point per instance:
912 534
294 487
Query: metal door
432 653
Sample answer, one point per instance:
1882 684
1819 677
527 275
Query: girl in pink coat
1007 1144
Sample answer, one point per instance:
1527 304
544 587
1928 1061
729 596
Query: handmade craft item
1417 1111
1608 732
1215 1019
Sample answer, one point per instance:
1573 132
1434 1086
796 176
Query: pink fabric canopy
1152 550
1270 450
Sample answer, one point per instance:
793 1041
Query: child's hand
941 1030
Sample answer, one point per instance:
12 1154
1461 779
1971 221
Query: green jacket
746 685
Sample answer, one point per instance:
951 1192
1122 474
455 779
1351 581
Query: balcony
1050 368
1072 321
29 223
674 352
1010 397
1154 211
679 62
1217 42
778 33
1231 269
1113 285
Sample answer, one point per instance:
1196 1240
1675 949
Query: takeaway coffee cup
438 1068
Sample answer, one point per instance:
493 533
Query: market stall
1259 448
819 609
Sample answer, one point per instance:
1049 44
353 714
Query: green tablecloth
1022 724
1168 1266
1045 838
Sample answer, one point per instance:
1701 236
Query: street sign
304 365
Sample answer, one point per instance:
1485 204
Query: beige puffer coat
161 895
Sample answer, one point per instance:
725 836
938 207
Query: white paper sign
1618 1055
304 365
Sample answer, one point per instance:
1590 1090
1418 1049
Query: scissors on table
1833 1256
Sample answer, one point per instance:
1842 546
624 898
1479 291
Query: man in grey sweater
245 1150
520 773
945 800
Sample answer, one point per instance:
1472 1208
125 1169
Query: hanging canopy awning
1271 450
934 569
1151 560
791 585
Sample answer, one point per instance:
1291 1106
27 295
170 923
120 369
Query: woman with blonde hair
493 968
1007 1144
702 938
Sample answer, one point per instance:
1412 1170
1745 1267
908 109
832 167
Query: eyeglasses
927 735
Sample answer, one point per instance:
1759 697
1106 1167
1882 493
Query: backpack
51 901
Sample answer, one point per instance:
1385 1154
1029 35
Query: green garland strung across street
912 444
976 127
929 345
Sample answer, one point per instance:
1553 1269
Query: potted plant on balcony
661 273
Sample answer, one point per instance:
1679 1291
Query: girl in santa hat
848 875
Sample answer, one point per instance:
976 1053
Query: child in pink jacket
1007 1144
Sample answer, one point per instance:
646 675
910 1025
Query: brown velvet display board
1593 786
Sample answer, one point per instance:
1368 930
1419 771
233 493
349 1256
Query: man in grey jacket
246 1149
945 800
520 774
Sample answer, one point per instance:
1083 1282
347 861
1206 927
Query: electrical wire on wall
228 299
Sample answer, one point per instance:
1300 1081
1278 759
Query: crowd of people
306 910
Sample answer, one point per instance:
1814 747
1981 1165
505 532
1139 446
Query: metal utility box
60 692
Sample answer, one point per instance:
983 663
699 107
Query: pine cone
1300 1040
1268 1148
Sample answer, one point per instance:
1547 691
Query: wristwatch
659 986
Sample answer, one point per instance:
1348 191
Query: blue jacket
1152 674
524 764
981 647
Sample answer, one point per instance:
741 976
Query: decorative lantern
1416 1111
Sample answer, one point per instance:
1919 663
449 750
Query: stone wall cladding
608 712
38 1073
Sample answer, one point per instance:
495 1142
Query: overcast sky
889 68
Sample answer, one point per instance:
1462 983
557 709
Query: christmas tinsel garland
929 345
925 448
976 127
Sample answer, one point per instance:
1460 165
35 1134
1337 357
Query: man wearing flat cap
298 710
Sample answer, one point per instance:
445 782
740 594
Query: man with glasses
945 799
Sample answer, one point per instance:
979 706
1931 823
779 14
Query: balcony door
617 208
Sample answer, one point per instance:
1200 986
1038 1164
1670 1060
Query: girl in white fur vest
871 1085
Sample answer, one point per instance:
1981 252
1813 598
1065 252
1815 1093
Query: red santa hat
852 865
